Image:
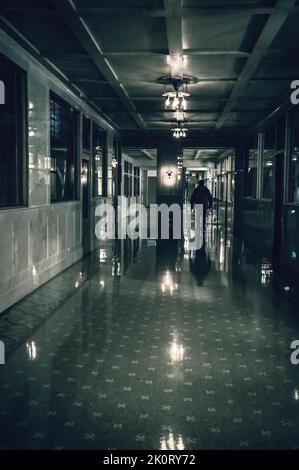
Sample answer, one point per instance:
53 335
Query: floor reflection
146 345
172 442
200 264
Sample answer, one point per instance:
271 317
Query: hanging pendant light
179 131
176 97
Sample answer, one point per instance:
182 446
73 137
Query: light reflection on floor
152 348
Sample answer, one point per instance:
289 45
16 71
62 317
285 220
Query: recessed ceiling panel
213 66
127 32
215 31
49 35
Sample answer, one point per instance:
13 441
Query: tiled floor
152 349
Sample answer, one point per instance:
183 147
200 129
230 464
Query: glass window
62 147
268 163
84 183
136 181
12 128
112 159
269 142
294 161
281 132
251 176
114 166
109 181
86 133
130 179
229 186
268 176
97 154
126 179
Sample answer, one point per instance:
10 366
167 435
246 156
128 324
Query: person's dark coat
201 195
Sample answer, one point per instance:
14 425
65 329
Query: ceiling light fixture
176 99
179 131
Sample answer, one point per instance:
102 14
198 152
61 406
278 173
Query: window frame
246 166
95 126
288 156
86 119
22 148
76 146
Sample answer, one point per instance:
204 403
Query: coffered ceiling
241 53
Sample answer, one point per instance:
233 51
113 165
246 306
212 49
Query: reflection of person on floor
202 195
200 265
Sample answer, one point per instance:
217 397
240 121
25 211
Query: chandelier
179 130
175 94
176 99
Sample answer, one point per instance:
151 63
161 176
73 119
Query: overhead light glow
179 131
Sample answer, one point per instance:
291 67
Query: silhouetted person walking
201 195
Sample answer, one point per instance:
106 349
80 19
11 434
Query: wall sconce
84 177
169 175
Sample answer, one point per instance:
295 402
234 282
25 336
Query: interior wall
42 239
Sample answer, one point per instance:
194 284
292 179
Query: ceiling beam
252 9
28 11
215 52
90 44
271 28
90 80
159 52
202 99
196 154
145 164
191 52
145 151
121 11
225 153
186 111
147 154
171 121
66 56
153 53
173 17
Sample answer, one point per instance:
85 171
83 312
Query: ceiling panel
130 48
127 32
266 89
213 66
76 68
279 66
214 31
49 35
141 70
